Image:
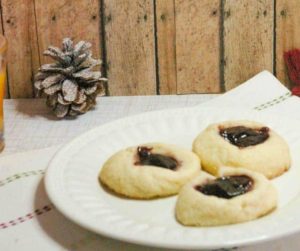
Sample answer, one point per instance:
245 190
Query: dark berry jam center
242 136
227 187
147 158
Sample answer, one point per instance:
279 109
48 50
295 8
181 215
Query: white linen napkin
262 93
28 220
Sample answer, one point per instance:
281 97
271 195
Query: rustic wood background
155 46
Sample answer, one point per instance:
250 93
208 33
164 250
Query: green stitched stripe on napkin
273 102
20 176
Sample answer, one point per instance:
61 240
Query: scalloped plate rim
77 217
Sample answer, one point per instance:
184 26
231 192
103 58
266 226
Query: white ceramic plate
72 183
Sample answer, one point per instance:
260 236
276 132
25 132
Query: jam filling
146 158
242 136
227 187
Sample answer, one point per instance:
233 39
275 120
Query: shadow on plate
69 235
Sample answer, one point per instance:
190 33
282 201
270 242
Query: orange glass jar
3 48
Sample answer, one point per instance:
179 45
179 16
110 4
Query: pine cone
69 84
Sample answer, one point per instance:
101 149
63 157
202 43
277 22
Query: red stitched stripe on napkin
27 217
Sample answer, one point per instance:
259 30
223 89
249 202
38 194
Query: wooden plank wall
248 39
197 46
155 46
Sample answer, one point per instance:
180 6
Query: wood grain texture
287 34
248 39
183 37
197 46
57 19
166 46
22 54
130 48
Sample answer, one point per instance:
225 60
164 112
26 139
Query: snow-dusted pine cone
70 85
